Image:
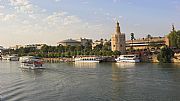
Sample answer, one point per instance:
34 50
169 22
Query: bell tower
118 42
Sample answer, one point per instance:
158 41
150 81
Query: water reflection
33 73
124 65
117 81
85 65
107 82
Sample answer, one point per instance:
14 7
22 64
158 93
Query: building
36 46
1 49
97 42
69 42
85 42
15 47
118 40
147 43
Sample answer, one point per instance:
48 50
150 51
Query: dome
69 41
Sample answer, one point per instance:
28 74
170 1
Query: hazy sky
49 21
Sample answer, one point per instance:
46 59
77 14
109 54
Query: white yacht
24 58
88 59
13 57
30 62
128 58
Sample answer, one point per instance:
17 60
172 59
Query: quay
57 60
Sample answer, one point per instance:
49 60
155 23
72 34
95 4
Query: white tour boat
88 59
25 58
32 63
128 58
13 57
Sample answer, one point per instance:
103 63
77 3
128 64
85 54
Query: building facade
85 42
147 43
118 40
16 47
36 46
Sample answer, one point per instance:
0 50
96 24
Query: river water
90 82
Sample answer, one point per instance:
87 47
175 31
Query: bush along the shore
166 54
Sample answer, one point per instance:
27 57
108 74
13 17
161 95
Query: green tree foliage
174 38
165 55
103 49
178 39
116 53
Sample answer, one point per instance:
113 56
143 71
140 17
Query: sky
50 21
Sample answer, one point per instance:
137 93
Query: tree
178 39
107 46
116 53
132 38
165 55
148 37
174 38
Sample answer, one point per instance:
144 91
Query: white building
1 48
85 42
15 47
36 46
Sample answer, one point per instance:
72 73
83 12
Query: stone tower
118 40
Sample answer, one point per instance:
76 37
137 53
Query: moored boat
128 58
88 59
13 57
25 58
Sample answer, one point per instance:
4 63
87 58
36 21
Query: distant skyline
50 21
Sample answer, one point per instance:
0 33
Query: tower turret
118 31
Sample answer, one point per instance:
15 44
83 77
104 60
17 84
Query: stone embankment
56 60
176 58
152 59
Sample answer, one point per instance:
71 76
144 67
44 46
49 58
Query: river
90 82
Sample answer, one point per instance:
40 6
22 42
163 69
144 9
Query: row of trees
66 51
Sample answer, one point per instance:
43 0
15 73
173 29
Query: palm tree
148 37
132 38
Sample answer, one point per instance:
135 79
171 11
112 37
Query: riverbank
175 59
151 59
56 60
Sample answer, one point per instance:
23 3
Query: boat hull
89 61
128 58
31 66
128 61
